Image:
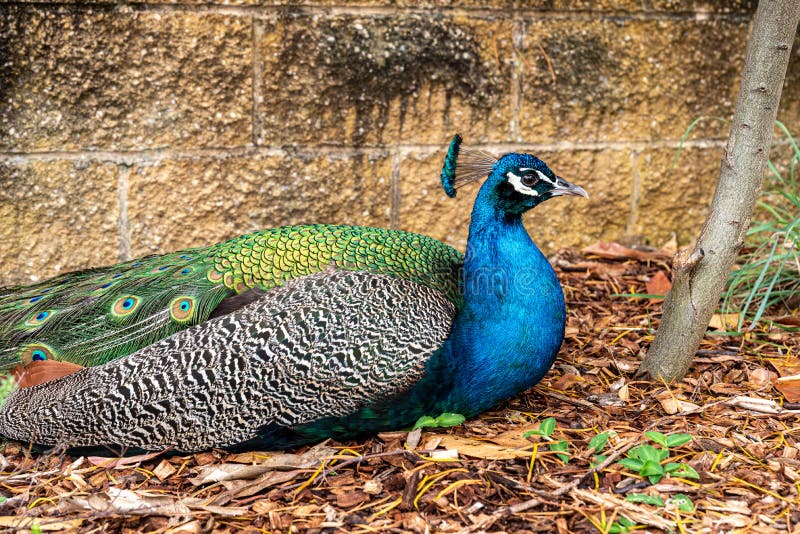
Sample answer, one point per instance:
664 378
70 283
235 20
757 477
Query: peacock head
515 182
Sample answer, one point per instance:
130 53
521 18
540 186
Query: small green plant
681 502
641 498
650 462
597 444
442 421
622 526
562 449
545 430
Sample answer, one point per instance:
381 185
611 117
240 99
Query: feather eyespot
157 270
186 271
39 318
36 352
104 287
35 299
181 309
125 305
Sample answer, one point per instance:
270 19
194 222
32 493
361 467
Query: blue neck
506 336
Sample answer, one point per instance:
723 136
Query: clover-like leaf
685 471
631 464
623 526
598 442
561 447
676 440
658 437
548 426
424 422
443 421
655 500
634 452
448 419
648 453
683 502
650 468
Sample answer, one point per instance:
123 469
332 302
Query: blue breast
510 329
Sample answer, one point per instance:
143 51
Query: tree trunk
699 276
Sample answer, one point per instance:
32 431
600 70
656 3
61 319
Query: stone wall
136 128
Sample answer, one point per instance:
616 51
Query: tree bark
699 276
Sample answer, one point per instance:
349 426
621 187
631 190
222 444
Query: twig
564 398
536 501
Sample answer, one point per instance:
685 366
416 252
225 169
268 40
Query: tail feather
93 316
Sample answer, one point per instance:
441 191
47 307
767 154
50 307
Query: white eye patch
516 182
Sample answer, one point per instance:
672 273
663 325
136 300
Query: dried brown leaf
615 251
122 462
350 499
484 449
789 386
126 502
724 321
659 284
46 524
164 470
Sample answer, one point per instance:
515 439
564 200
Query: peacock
294 334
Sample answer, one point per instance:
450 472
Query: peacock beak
564 187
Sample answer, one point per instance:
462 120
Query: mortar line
123 222
130 157
636 191
581 15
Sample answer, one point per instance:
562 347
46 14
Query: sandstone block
607 176
629 79
98 78
56 217
424 207
675 199
382 79
175 204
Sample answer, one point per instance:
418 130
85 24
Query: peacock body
294 334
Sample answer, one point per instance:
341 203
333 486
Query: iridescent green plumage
94 316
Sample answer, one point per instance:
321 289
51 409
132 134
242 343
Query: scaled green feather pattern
94 316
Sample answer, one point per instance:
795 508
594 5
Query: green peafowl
293 334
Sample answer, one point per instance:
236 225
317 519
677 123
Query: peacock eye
529 180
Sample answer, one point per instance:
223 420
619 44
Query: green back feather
93 316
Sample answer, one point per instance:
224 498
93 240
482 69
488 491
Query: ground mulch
485 476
